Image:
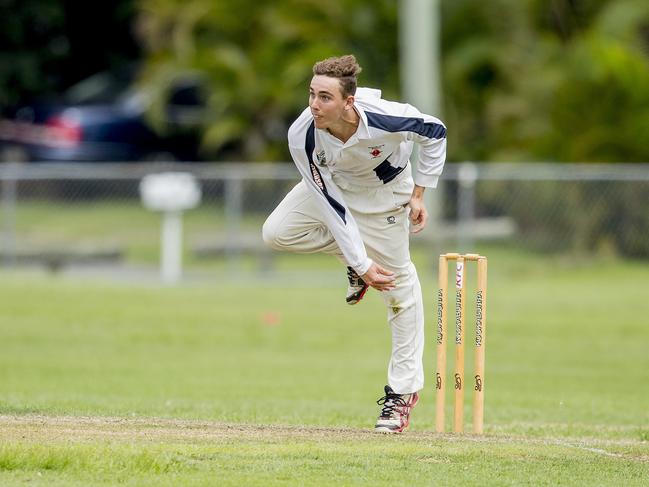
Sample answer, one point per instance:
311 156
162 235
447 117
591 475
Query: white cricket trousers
382 218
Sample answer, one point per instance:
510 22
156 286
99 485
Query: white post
172 247
170 193
419 32
419 53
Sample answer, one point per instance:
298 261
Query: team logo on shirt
376 150
317 179
320 157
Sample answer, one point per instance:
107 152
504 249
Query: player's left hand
418 214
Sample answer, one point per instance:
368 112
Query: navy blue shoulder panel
309 146
391 123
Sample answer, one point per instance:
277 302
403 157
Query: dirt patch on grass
51 429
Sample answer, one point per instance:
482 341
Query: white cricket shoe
357 287
395 415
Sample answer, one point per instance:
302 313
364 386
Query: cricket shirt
375 156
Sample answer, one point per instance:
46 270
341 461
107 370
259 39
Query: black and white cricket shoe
395 415
357 287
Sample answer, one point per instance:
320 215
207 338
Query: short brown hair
345 68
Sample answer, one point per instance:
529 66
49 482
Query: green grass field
125 225
272 381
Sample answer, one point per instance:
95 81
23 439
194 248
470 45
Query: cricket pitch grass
273 381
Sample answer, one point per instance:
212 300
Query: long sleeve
414 126
334 210
431 137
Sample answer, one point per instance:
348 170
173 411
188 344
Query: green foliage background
522 79
47 45
257 57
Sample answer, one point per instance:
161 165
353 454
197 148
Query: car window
104 87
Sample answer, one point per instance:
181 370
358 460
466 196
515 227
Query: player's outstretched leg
395 414
357 287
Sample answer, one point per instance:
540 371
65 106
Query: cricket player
357 201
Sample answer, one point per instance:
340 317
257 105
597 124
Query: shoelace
353 278
390 402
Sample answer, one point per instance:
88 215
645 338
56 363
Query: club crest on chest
320 157
376 150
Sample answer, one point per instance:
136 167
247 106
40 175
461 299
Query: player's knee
271 235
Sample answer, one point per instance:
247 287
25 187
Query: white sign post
171 193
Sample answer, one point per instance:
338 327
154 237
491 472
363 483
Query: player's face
326 101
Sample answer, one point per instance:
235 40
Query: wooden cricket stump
480 328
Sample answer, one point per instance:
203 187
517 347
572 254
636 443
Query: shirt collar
362 132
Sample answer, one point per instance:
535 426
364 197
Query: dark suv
103 118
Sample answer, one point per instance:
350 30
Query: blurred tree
523 79
31 43
547 80
600 110
257 55
46 45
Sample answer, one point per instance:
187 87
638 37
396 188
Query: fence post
233 214
171 244
467 176
9 195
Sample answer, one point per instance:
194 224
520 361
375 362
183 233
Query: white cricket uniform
352 201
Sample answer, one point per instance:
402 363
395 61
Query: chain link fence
584 208
91 214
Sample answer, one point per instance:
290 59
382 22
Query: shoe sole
387 431
355 299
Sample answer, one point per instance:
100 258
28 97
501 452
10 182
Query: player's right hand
379 278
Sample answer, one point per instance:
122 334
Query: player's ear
349 102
